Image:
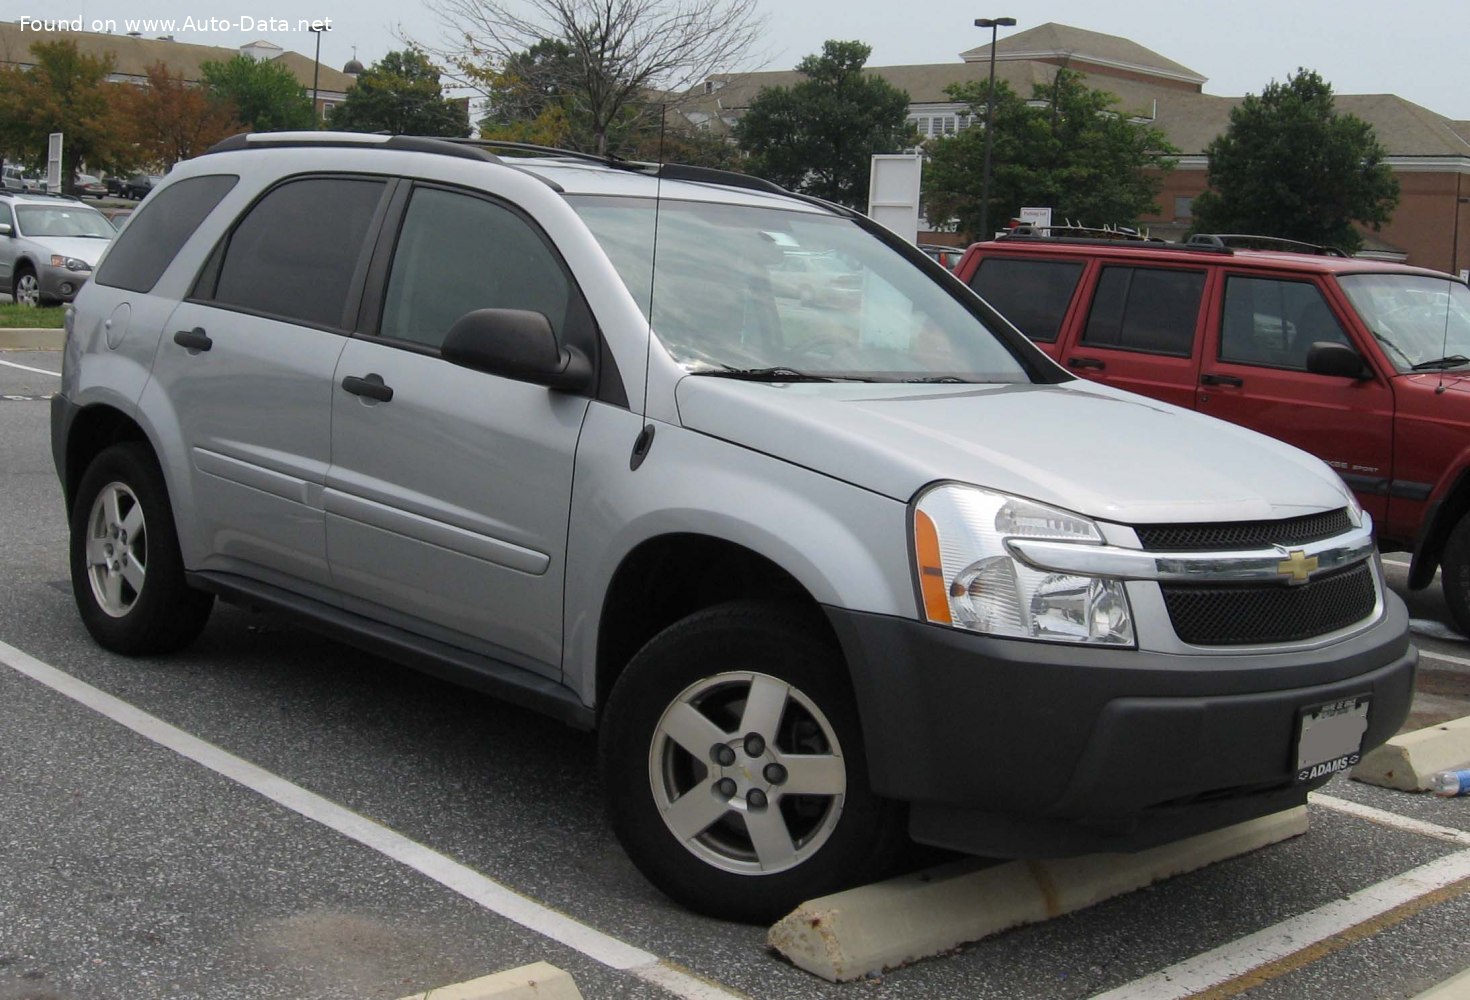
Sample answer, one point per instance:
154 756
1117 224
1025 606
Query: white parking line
28 368
1398 560
1391 819
486 892
1242 963
1425 654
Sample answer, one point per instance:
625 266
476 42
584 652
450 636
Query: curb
1407 761
537 981
23 339
850 934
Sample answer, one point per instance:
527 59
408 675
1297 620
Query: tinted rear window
1145 309
1032 294
158 230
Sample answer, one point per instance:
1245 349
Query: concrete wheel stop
537 981
850 934
1407 761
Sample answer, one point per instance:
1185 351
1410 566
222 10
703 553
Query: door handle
1086 363
195 339
370 385
1210 378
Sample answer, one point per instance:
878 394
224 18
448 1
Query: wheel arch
668 577
95 429
1439 521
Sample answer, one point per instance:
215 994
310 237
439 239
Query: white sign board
893 193
1037 218
53 164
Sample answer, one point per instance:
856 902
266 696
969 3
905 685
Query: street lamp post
994 24
316 70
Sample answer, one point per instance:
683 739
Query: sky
1418 53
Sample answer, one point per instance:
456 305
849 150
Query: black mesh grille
1243 534
1240 615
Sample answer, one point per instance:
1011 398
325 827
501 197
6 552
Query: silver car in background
48 247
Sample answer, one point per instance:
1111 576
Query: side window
457 253
1032 294
293 255
1274 323
1145 309
157 231
5 215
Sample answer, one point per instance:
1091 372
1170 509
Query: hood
1081 446
80 247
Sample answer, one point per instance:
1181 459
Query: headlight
969 579
70 263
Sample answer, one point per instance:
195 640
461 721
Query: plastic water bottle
1450 784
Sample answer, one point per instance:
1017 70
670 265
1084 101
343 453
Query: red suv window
1145 309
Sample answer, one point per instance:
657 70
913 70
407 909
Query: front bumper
59 283
1012 748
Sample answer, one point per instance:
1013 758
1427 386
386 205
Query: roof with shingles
1062 41
133 56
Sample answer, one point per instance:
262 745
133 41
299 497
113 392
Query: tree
1289 165
820 135
67 92
169 120
607 67
262 94
1068 148
401 93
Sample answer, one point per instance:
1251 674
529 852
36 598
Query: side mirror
1327 358
517 344
6 229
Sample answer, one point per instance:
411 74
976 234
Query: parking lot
271 814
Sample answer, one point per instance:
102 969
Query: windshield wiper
777 374
1453 361
937 379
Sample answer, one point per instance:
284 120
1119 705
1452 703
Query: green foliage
531 84
67 92
1289 165
401 93
264 95
1072 151
820 135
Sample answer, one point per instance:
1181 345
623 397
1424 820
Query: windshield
1419 320
749 289
71 220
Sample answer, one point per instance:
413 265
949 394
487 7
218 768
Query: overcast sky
1418 53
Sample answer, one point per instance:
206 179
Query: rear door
247 360
447 504
1141 330
1035 293
1255 374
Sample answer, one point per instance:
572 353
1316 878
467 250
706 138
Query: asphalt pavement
270 814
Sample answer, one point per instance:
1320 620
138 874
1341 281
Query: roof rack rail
1117 233
1245 241
359 140
1105 238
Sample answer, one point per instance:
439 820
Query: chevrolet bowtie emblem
1297 567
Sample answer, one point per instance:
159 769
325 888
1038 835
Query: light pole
994 24
316 71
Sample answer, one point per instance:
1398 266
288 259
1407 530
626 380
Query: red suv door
1141 329
1255 374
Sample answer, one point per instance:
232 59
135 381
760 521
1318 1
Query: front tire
25 289
127 575
1455 576
734 766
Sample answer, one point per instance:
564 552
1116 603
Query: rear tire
1455 574
734 766
127 575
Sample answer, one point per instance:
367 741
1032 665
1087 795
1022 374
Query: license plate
1331 737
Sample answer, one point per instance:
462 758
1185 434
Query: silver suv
48 247
822 576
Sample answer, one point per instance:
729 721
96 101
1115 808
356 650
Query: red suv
1363 363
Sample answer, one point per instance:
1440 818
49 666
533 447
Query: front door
447 504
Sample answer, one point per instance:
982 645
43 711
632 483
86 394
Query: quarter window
293 255
1275 323
158 230
1145 309
457 253
1032 294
